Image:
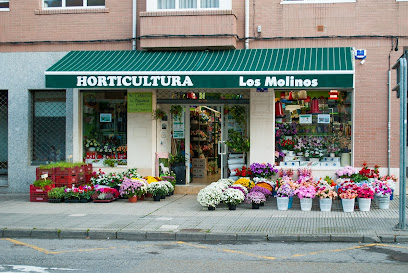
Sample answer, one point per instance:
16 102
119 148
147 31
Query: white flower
209 196
232 196
226 180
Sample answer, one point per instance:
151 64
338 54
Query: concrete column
262 126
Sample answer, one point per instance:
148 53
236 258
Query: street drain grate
191 230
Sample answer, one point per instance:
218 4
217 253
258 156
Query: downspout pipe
246 24
389 122
134 24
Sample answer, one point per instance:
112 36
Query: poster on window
178 126
105 117
323 118
305 119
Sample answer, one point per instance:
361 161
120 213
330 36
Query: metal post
402 81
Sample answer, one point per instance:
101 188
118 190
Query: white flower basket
348 205
325 204
306 204
384 202
364 204
283 203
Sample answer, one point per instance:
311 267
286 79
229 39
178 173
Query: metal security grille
3 132
48 123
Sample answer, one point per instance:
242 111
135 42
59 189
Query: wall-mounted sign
323 118
178 126
139 102
105 117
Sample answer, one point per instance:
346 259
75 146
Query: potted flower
255 198
232 197
133 188
169 186
264 170
348 199
244 172
346 173
365 194
246 182
160 114
91 144
326 194
306 193
282 196
237 142
56 195
176 111
157 189
243 189
383 192
209 197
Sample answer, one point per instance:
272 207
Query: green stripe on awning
227 65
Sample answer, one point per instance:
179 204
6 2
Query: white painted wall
262 126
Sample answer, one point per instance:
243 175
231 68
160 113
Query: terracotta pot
133 199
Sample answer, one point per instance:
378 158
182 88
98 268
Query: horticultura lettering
134 81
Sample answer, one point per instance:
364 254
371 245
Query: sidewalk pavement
182 218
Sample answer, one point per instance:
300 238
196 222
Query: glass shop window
105 128
313 128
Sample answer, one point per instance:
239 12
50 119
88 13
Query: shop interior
313 128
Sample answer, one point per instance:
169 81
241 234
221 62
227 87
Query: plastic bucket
364 204
290 202
348 205
282 202
325 204
306 204
384 202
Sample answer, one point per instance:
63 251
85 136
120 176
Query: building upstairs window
188 5
4 5
73 3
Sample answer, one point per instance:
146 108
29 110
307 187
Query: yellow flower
245 182
150 179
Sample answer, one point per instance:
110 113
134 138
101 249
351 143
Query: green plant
42 183
237 142
239 114
176 110
56 193
160 114
110 162
177 158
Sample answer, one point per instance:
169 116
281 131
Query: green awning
262 68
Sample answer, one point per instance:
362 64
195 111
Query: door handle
219 147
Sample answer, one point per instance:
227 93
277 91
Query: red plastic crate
88 169
38 190
39 172
50 177
81 178
66 179
88 178
38 197
65 171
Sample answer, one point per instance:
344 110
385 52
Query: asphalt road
69 255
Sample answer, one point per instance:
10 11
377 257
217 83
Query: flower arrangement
171 178
305 191
287 129
305 172
169 186
369 173
285 190
122 149
220 185
244 172
209 196
176 111
389 177
263 169
266 185
131 173
285 172
325 192
348 194
228 181
255 197
199 133
301 145
246 182
157 189
91 142
286 144
347 186
150 179
232 196
382 189
241 188
263 190
333 148
346 172
111 179
364 191
81 192
160 114
133 187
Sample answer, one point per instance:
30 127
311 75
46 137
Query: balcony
216 29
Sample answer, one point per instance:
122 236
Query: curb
137 235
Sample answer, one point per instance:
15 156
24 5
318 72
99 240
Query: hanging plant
160 114
239 114
176 110
236 142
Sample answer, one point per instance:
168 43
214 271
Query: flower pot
392 195
291 153
384 202
282 202
290 202
132 199
180 170
156 197
255 205
91 149
50 200
163 197
306 204
262 204
364 204
232 206
325 204
348 205
332 155
211 208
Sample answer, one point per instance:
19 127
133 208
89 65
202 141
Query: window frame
286 2
5 9
224 5
63 4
